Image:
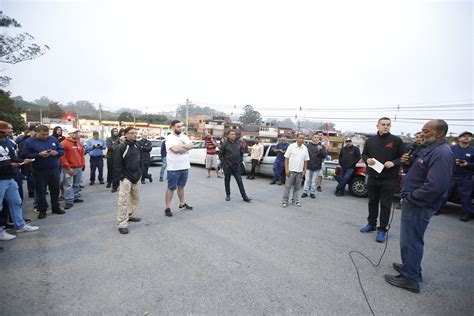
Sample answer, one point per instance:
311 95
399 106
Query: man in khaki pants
128 168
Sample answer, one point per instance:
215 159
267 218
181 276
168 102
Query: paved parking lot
227 258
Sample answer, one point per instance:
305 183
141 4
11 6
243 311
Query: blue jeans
9 191
163 167
414 221
346 175
311 177
463 186
279 170
97 162
71 185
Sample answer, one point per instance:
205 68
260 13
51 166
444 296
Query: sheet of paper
377 166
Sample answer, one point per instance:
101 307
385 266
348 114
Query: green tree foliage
84 108
17 47
10 113
55 111
196 110
125 117
250 116
153 118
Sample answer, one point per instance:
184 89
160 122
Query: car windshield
155 143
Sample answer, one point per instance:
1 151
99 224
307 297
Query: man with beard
177 147
109 143
421 191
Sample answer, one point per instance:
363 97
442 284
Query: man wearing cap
9 162
46 150
461 180
72 163
95 147
348 158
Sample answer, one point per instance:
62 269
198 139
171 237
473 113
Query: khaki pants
129 195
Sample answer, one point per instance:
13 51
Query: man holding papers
382 154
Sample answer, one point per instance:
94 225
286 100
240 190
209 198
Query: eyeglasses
133 133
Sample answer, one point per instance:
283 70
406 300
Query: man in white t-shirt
296 161
177 159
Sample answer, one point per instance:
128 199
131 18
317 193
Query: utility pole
101 128
41 116
187 115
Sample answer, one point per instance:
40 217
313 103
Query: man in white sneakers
296 162
8 186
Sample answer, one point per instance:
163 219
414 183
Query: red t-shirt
210 147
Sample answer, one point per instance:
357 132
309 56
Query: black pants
236 172
43 179
97 163
145 174
380 191
30 183
110 173
254 165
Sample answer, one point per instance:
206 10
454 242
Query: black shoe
246 199
101 182
319 188
108 185
59 211
114 190
402 282
185 207
68 206
251 178
227 197
42 215
134 219
91 183
273 182
143 181
31 195
397 266
9 225
161 179
150 178
81 186
312 196
465 217
123 230
304 195
168 212
78 201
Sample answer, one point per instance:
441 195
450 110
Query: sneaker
42 215
185 207
168 212
304 195
78 201
367 229
134 219
123 231
284 204
68 206
319 188
108 185
227 197
161 179
91 183
27 228
312 196
6 236
59 211
297 203
380 236
101 182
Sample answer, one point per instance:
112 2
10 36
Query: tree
18 47
250 116
55 111
10 113
196 110
83 107
288 123
153 118
43 101
125 116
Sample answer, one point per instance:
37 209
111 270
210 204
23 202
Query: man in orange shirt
72 163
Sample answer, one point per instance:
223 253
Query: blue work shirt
428 178
93 150
463 154
34 145
281 156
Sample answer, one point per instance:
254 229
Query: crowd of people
54 165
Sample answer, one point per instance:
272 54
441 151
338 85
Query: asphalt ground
227 257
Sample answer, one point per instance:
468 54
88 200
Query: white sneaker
6 236
27 228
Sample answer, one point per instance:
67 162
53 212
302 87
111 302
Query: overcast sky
332 58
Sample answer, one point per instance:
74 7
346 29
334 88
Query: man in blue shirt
421 191
279 164
461 180
95 147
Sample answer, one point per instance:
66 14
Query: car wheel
357 187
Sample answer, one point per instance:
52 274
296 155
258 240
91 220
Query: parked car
155 154
266 165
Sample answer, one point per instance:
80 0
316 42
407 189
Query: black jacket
7 156
348 157
145 147
127 162
316 156
384 148
110 142
232 153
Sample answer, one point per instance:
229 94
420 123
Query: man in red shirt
72 163
211 156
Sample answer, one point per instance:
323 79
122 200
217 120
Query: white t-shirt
177 161
296 155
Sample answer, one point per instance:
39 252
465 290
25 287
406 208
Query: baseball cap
4 127
72 130
464 133
348 139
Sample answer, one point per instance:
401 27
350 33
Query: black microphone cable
352 252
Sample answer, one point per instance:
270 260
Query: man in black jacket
231 155
386 149
128 169
348 158
317 153
109 143
145 147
